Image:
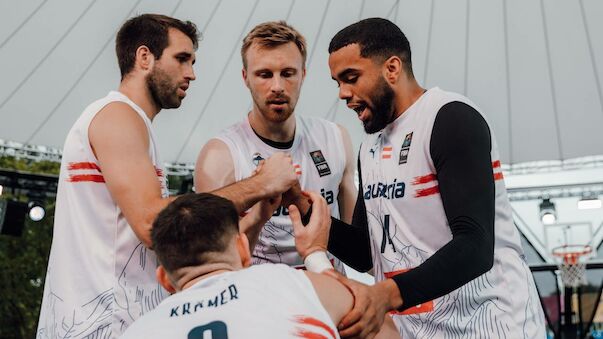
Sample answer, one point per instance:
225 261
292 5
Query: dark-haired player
432 216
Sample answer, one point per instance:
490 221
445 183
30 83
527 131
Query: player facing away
205 260
274 56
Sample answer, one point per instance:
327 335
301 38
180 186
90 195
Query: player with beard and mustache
101 271
274 56
432 218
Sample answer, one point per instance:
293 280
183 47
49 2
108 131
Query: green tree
23 261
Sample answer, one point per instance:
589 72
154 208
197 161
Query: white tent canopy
534 67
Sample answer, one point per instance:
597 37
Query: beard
271 114
163 91
382 107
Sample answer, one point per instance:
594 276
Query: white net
572 265
573 274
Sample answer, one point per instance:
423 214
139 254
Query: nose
276 85
344 92
190 74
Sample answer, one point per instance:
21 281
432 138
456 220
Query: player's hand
315 235
263 209
371 304
296 196
277 174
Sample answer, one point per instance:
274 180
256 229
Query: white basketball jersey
319 158
408 224
241 304
100 277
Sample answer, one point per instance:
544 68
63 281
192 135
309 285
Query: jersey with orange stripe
100 276
408 224
319 158
241 304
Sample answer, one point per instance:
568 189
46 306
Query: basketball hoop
573 270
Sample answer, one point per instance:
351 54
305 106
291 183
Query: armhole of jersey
340 146
86 130
232 149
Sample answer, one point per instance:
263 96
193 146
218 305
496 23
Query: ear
164 279
393 69
144 58
245 80
243 248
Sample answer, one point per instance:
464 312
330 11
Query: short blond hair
272 34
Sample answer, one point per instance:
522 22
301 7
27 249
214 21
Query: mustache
278 98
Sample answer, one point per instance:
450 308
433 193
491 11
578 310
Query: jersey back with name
319 158
241 304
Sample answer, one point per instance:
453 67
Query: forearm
244 193
351 243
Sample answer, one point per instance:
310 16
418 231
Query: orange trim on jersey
386 156
86 178
496 164
83 166
421 308
424 179
300 319
309 335
298 170
498 176
427 191
159 172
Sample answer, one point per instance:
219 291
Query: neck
407 94
137 91
188 276
276 131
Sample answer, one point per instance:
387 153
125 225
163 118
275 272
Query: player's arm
347 190
214 172
214 167
350 243
120 141
460 148
338 302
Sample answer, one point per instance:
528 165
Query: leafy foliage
23 261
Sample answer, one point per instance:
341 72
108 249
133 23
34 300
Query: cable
12 34
508 80
552 82
10 96
217 83
76 83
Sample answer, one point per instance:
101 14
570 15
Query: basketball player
205 260
274 56
432 207
100 274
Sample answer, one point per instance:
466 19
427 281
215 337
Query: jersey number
386 235
212 330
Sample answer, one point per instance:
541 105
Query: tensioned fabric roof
534 67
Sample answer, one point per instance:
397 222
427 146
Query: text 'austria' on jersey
328 195
393 190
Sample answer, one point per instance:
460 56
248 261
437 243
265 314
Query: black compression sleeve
460 148
351 243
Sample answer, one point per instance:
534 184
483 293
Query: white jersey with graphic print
100 277
241 304
319 157
408 224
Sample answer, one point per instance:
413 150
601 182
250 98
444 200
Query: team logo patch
405 149
321 163
256 158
